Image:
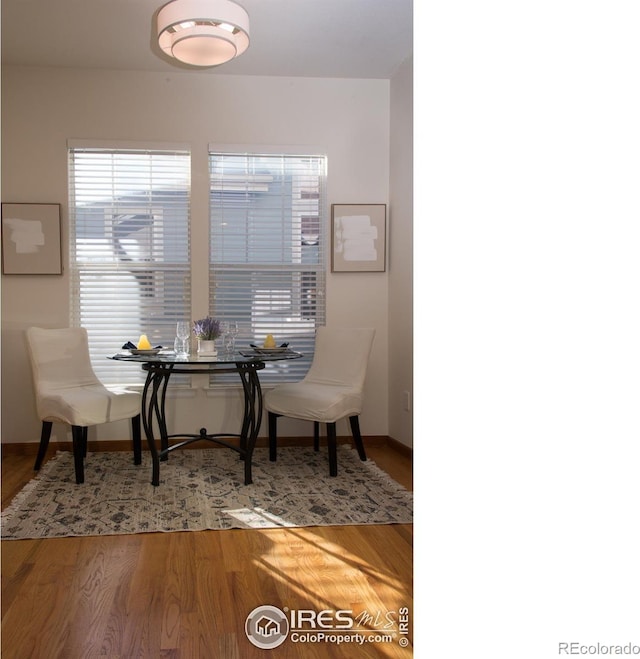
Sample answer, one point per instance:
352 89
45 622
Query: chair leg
85 435
45 435
273 441
357 437
333 449
78 434
137 440
316 435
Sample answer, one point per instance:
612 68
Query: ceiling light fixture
203 32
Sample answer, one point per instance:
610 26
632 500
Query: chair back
59 359
341 357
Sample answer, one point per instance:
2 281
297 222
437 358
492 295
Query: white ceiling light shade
203 32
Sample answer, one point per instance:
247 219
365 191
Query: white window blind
267 265
129 250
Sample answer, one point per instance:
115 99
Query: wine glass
183 332
233 333
226 336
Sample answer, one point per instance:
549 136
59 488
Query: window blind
267 265
129 250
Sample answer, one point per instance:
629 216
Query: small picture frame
31 239
358 237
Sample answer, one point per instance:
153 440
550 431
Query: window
130 256
129 249
266 250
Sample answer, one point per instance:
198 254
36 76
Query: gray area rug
203 489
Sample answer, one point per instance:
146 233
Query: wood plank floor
188 595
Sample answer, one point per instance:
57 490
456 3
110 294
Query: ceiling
309 38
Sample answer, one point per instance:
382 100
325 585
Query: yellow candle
143 343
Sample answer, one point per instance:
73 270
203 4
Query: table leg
156 381
252 416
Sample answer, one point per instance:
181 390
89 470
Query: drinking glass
183 332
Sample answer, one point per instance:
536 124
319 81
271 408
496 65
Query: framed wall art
358 237
31 239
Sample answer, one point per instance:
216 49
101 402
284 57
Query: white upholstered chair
68 391
331 390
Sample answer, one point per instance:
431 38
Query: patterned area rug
203 489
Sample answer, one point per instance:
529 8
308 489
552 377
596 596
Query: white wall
42 108
401 257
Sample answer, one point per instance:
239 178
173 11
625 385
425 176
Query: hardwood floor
188 595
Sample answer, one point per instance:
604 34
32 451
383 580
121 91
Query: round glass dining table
161 366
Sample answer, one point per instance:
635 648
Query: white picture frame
358 237
31 239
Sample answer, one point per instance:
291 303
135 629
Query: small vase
207 348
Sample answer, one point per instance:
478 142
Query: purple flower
207 328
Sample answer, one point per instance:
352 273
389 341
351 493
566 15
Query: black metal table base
153 406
